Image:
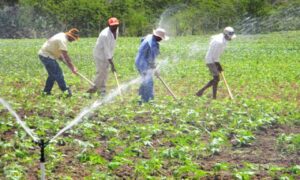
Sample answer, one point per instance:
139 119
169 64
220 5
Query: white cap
229 31
160 32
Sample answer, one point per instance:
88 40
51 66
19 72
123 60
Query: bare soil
262 152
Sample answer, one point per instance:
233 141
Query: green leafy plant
289 143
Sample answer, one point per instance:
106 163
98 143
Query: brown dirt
125 172
262 152
104 153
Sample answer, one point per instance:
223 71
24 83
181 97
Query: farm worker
145 62
103 55
56 48
216 48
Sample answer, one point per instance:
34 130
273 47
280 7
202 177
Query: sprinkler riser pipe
42 145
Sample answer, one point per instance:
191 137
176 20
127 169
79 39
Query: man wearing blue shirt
145 62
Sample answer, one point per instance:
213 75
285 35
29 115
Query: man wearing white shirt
216 48
103 55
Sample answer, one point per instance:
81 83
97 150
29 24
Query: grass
189 138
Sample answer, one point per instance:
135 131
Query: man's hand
61 58
113 69
152 65
74 70
219 67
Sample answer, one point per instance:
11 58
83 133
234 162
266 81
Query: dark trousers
214 69
54 74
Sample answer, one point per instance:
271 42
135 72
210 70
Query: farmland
254 136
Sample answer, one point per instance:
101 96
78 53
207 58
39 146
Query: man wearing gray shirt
103 55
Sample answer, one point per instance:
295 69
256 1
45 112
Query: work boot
199 93
102 93
44 93
68 92
92 90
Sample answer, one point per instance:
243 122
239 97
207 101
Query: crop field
254 136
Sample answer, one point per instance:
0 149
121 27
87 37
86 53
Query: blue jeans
54 74
146 89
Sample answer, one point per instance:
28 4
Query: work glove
219 67
113 69
152 65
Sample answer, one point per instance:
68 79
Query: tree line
39 18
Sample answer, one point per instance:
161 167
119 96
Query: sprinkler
42 144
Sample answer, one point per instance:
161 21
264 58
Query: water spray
42 143
95 105
19 121
116 77
165 20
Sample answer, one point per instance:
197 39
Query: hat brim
113 24
165 38
72 36
233 36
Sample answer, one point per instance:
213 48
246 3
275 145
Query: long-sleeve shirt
105 45
148 51
54 46
216 48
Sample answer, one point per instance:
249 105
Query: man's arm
104 42
65 57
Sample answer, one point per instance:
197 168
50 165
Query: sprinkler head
42 145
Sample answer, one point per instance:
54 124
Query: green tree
139 17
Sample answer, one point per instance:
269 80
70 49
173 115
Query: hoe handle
83 77
167 87
116 77
229 91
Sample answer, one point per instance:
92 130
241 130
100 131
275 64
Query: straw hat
73 33
229 31
160 32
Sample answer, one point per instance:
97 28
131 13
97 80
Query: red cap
113 21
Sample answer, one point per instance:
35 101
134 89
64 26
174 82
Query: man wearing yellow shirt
56 48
